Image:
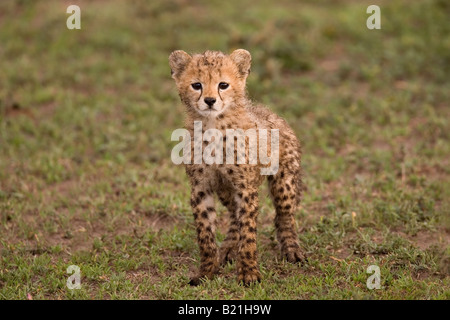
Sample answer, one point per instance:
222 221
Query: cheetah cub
212 87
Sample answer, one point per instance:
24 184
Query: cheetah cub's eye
196 86
223 85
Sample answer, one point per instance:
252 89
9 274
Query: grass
86 117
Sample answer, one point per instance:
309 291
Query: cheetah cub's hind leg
284 190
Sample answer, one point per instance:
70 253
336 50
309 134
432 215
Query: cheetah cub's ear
242 59
178 61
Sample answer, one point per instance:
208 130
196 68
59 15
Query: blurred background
86 118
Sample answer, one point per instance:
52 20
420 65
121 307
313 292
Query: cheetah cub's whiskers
212 87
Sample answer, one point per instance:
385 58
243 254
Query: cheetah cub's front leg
247 212
202 202
228 249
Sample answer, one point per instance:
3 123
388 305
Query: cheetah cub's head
212 82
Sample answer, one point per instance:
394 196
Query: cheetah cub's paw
247 277
294 255
207 272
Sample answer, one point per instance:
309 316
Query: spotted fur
235 184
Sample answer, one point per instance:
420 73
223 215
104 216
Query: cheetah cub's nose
210 101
